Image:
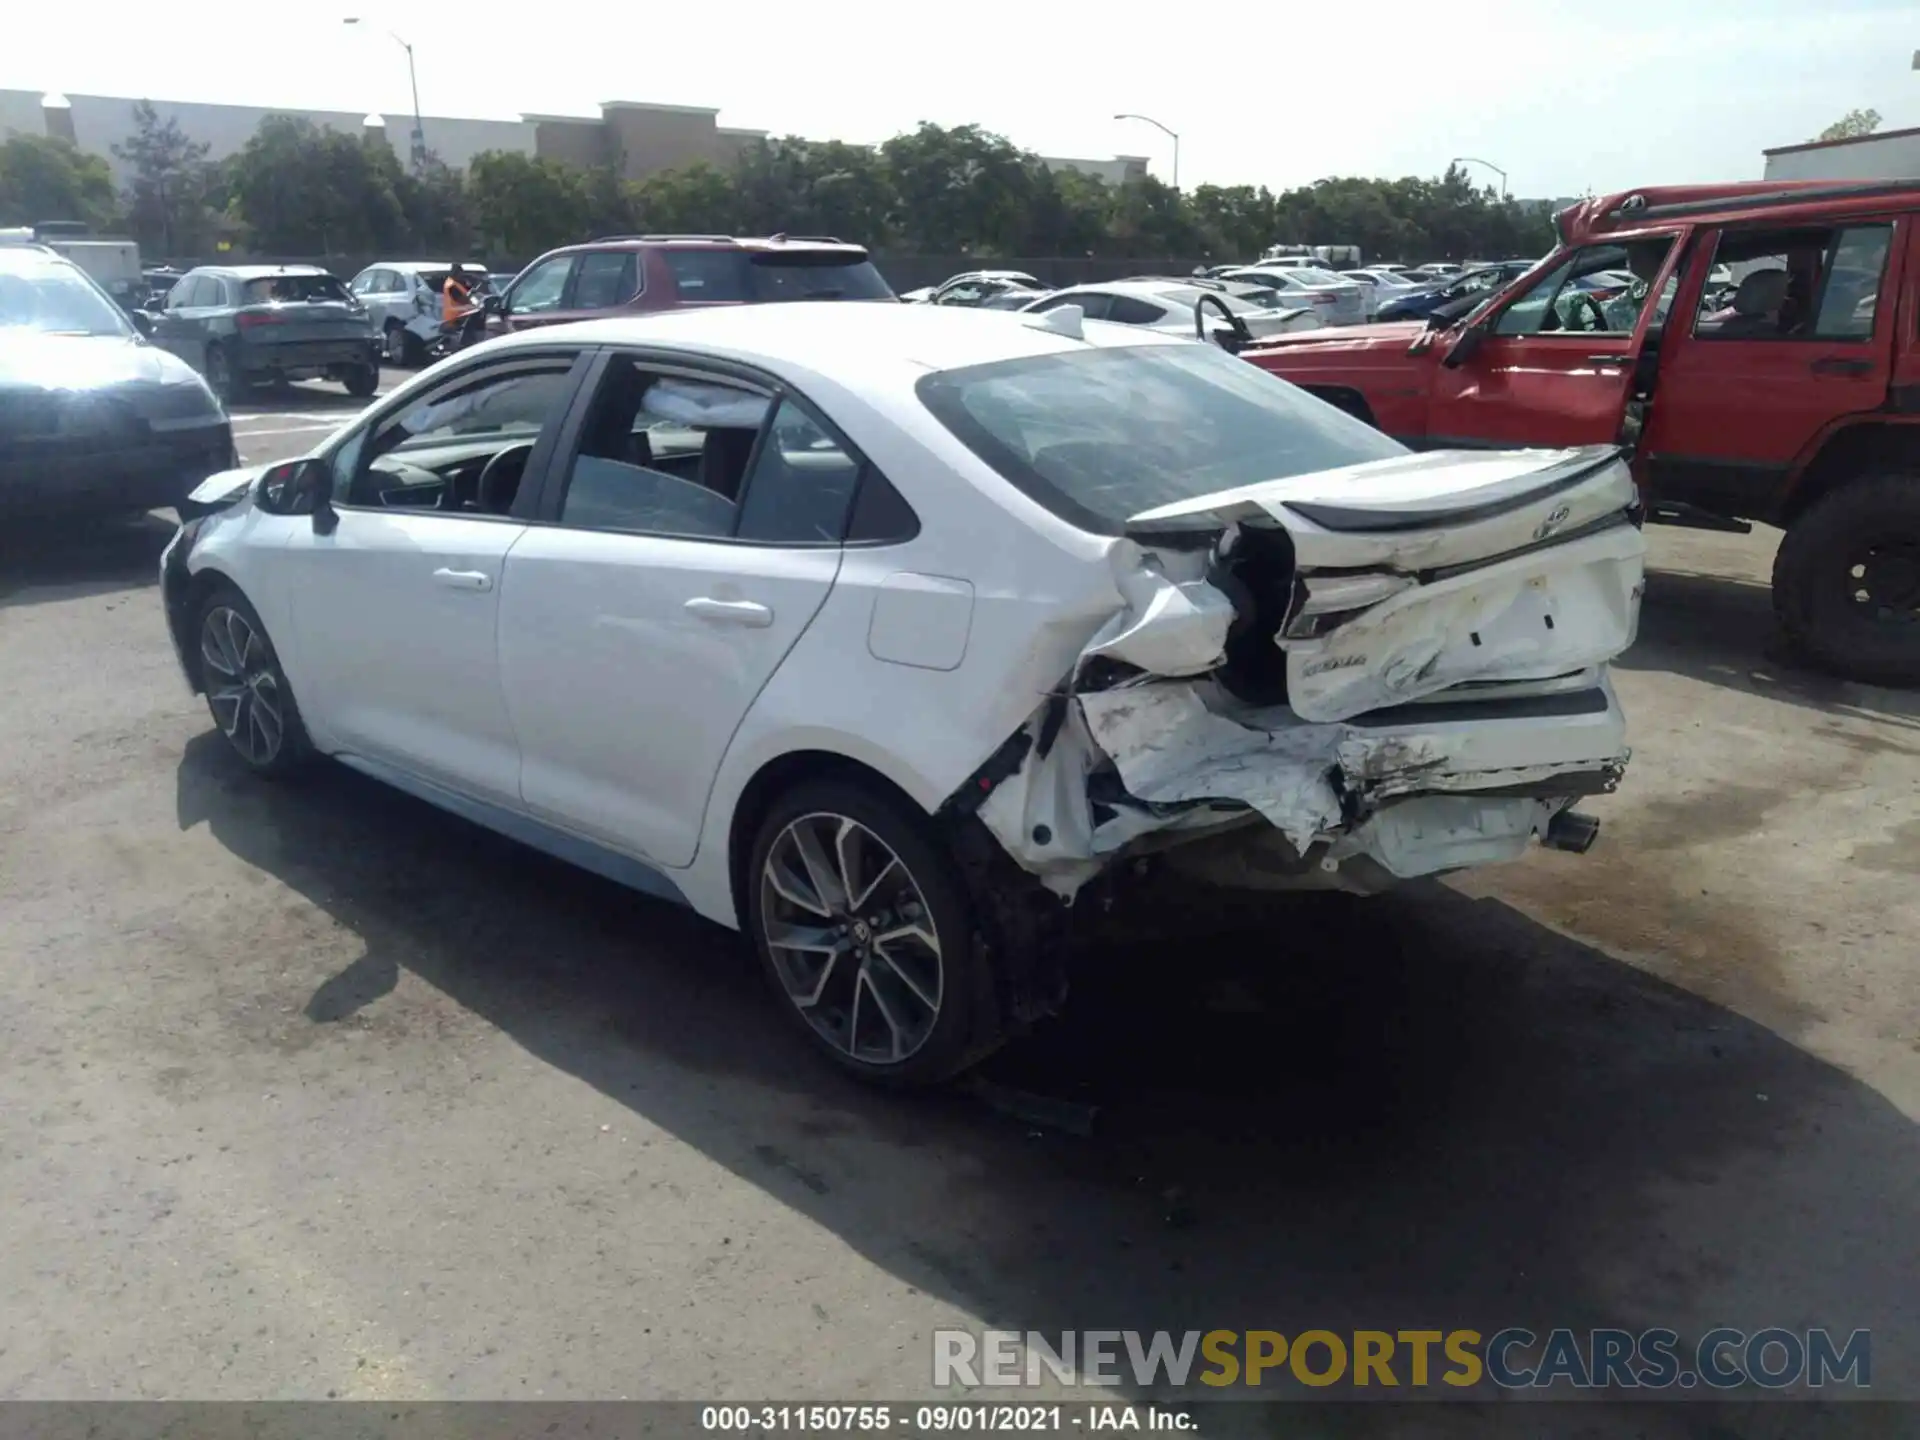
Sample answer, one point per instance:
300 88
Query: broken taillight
1321 602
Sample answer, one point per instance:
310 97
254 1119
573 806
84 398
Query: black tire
222 378
241 704
1824 573
361 380
840 1029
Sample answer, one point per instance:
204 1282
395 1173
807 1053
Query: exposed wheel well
775 778
1344 397
194 595
1856 450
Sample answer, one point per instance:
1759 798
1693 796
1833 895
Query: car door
1741 394
178 329
693 532
537 296
395 606
1533 379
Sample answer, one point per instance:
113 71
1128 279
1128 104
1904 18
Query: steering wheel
1241 336
1594 308
494 472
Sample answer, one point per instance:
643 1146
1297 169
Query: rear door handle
749 613
1834 366
464 579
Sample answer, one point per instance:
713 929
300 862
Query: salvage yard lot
315 1091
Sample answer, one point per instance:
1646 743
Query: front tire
863 927
361 380
1846 581
247 691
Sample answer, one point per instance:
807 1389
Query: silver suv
396 293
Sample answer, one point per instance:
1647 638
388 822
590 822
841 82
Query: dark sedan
240 325
93 419
1484 280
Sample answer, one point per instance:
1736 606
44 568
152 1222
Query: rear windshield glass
282 289
1097 436
740 276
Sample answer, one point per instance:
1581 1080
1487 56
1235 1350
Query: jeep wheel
1846 583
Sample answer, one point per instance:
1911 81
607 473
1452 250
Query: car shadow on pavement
68 559
1721 630
1420 1111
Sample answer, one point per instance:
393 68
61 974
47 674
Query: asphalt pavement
314 1091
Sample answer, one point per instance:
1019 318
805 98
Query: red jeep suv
639 274
1756 347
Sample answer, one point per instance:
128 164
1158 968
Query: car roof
846 339
259 272
416 265
812 244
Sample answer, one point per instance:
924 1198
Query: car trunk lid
1400 579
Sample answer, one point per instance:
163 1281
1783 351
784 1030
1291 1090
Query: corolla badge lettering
1332 662
1553 522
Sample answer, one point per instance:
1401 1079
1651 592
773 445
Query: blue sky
1564 96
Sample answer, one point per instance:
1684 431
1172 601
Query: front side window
1820 283
604 279
1098 435
1574 296
542 287
432 453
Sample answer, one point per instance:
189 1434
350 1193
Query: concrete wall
651 138
1893 155
20 113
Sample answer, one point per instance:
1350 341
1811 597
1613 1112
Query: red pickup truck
1762 365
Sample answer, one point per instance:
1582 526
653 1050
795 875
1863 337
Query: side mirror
142 321
299 487
1463 347
494 304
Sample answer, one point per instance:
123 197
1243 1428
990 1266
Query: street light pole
1475 160
419 139
1165 131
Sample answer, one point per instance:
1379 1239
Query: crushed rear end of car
1341 679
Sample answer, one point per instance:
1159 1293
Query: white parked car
1335 301
880 631
1175 307
1377 285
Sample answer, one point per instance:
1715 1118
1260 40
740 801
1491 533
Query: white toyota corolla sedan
881 631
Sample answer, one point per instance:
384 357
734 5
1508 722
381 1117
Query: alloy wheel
852 939
243 690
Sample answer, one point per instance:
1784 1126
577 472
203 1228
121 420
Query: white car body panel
629 661
574 700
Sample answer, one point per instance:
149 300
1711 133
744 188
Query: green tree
47 179
304 189
168 192
958 191
697 199
800 187
523 205
436 216
1851 126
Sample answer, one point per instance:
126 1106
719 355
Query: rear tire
884 987
221 376
247 691
1846 581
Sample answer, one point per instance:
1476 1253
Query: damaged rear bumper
1358 804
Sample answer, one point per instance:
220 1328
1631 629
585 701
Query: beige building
1888 155
641 139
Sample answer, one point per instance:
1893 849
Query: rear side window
1098 435
1801 284
801 483
1129 310
744 277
